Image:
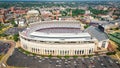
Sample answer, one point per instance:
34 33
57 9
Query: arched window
82 51
75 52
103 44
32 50
89 51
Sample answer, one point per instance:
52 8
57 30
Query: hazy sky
59 0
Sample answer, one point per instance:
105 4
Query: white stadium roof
76 35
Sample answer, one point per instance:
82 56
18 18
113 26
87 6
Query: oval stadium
62 38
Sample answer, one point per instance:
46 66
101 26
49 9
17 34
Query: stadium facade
62 38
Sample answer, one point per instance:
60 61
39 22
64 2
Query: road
6 56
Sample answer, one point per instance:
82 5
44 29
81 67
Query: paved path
117 57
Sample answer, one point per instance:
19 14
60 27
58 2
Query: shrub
83 55
118 48
59 56
66 56
90 55
3 35
75 56
50 56
86 26
111 53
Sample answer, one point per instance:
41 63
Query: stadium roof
56 31
95 32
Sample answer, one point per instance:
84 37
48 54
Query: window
25 46
89 51
103 44
66 52
75 52
62 52
32 49
82 51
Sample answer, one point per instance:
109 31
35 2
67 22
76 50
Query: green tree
86 26
77 12
3 35
111 53
16 37
13 23
68 9
1 26
64 13
118 48
96 12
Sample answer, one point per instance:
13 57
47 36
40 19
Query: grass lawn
1 56
115 41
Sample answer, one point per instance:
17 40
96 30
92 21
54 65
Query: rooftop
95 32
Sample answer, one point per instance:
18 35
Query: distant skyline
59 0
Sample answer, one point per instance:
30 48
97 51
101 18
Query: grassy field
115 37
1 56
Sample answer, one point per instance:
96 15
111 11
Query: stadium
62 38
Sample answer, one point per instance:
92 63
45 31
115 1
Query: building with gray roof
100 36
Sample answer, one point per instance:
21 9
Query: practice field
115 37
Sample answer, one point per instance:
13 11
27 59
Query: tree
111 53
77 12
118 48
64 13
96 12
117 28
68 9
16 37
13 23
3 35
86 26
1 26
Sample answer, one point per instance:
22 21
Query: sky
59 0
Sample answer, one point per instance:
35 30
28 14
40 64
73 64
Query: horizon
59 0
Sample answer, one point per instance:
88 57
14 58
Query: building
61 38
46 13
2 18
98 33
20 11
33 13
107 25
66 18
20 22
87 12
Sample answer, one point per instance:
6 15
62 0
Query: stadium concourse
62 38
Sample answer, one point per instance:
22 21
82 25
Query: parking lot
4 47
21 60
13 30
